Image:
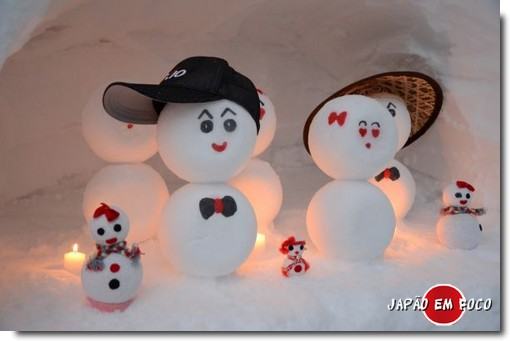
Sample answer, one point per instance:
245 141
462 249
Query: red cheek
129 126
262 113
362 132
375 132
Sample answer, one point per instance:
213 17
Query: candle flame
261 239
75 247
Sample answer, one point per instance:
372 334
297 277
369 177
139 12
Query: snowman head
458 194
398 110
267 124
293 247
109 225
352 137
206 142
114 140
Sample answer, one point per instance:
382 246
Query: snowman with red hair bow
294 264
113 275
458 226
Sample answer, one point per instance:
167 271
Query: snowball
137 188
352 137
114 284
212 246
113 140
455 196
267 124
459 231
350 220
398 110
206 142
263 189
400 192
106 232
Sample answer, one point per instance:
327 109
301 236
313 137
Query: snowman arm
307 265
285 271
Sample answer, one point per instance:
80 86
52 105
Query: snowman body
294 267
350 138
460 231
128 182
458 226
118 282
258 181
208 228
397 183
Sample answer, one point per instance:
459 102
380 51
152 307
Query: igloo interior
55 54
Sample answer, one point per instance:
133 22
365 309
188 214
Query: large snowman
258 181
414 100
127 182
350 138
112 276
207 117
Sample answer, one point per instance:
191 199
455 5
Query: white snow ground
299 52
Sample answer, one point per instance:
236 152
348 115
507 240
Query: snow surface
299 53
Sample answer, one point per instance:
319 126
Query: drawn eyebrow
205 112
376 123
226 111
362 121
390 104
261 102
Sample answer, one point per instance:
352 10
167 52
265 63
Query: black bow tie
226 206
389 173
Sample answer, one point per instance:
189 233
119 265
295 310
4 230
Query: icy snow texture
299 53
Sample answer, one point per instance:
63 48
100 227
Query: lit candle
260 242
73 261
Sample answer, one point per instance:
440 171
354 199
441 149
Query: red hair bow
463 184
284 248
104 209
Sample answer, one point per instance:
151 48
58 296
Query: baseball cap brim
141 103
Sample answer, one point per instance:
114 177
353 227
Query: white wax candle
73 261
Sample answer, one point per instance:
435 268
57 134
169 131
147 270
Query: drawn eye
291 248
391 108
376 124
206 126
362 123
100 231
230 125
458 195
117 228
301 247
468 196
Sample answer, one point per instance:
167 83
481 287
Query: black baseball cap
193 80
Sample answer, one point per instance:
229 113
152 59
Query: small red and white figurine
294 264
113 275
458 227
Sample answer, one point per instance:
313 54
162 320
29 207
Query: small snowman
259 181
350 138
413 100
458 227
127 182
112 276
207 117
294 264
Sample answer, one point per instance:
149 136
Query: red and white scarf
453 210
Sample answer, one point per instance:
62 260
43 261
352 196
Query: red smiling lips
219 147
111 241
463 202
368 145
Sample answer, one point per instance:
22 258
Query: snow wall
299 52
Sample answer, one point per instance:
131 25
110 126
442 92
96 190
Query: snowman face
113 140
267 124
454 196
352 137
398 110
206 142
106 232
296 250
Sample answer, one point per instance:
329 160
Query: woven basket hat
422 95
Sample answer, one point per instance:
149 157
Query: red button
298 268
114 267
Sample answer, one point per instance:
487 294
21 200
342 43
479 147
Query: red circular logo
443 307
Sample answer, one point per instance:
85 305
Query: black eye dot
301 247
100 231
392 112
230 125
114 284
458 195
117 228
291 248
206 126
468 196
